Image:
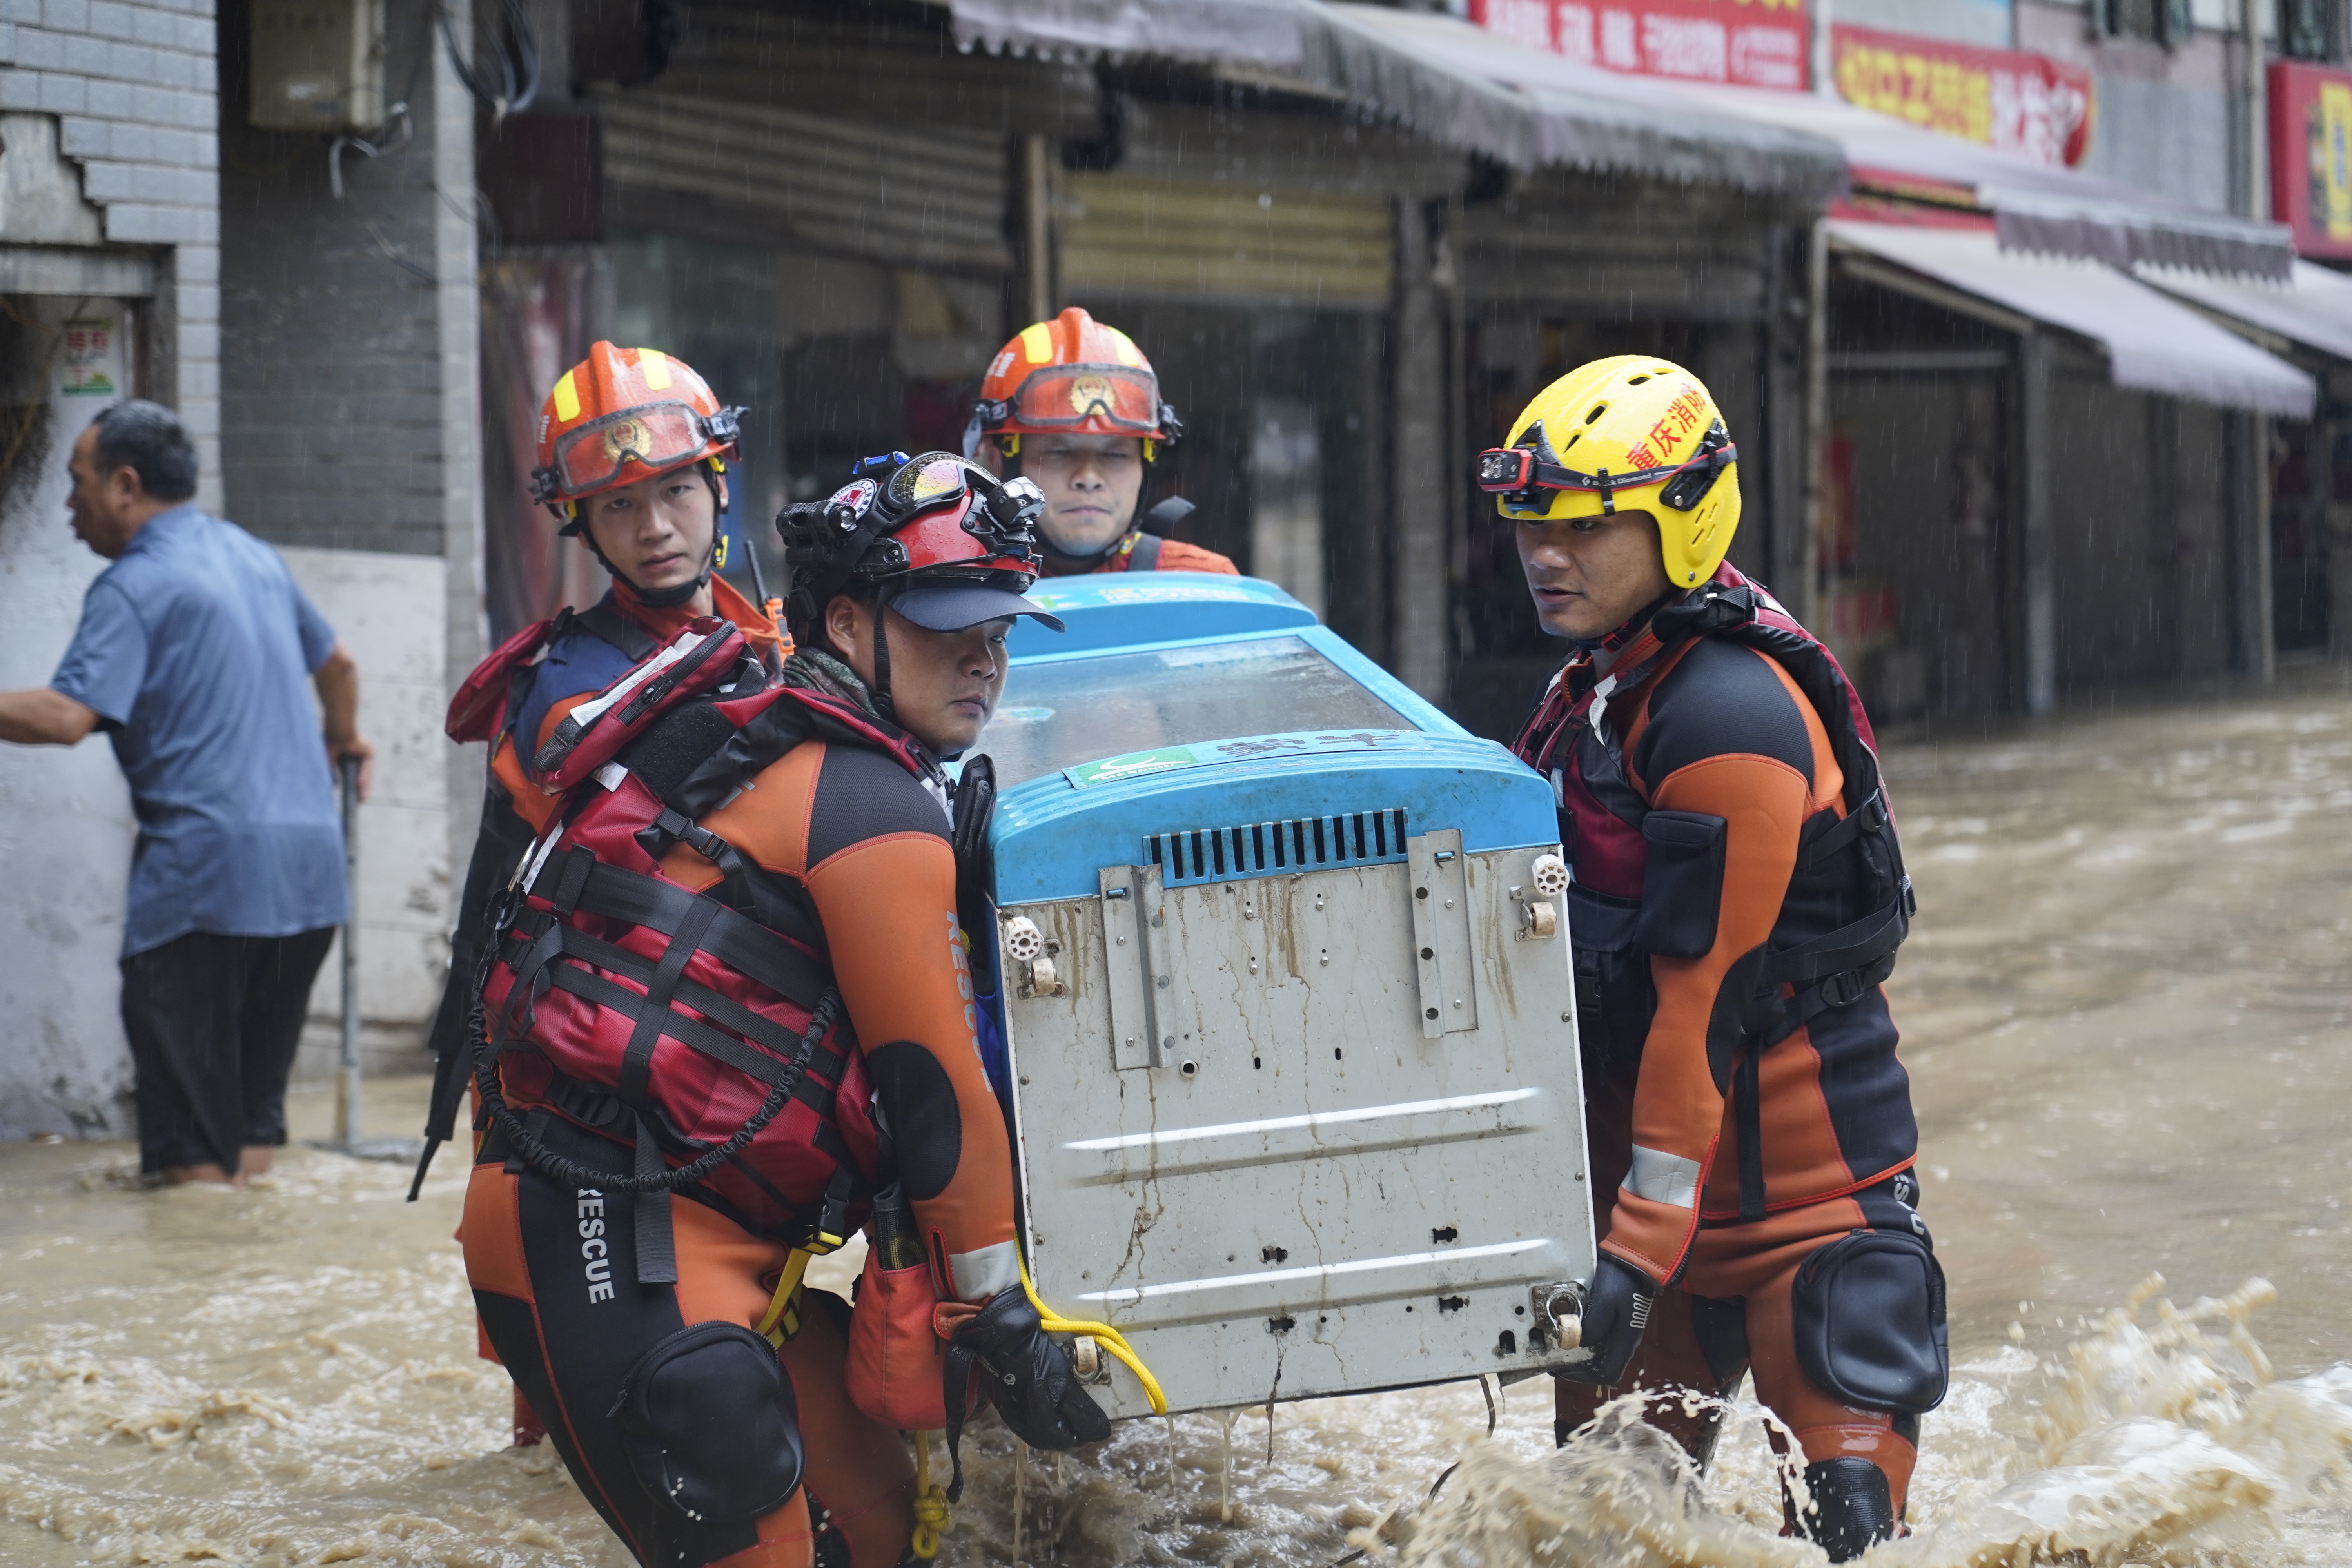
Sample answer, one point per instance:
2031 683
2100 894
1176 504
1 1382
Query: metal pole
1036 213
1810 591
2038 567
347 1084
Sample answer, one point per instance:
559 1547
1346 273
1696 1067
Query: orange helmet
621 416
1071 374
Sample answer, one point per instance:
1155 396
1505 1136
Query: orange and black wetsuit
1141 551
849 853
1745 1105
586 654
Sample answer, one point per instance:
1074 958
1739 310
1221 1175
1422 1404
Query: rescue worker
728 999
1074 406
631 460
1737 895
632 454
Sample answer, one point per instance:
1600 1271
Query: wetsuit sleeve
883 880
1735 742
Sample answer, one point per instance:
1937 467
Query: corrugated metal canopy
2313 307
2152 343
1353 53
2037 208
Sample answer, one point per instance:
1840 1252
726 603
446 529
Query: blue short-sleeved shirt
193 650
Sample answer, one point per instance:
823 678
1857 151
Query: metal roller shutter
1123 236
928 197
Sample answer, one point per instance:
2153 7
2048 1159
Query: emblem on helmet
1088 393
855 497
627 438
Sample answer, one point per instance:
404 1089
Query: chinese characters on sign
1757 43
2027 104
2311 156
87 365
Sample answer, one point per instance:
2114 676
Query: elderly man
191 653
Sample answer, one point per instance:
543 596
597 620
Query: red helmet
621 416
951 544
1071 374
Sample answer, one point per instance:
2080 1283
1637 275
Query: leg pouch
1869 1321
711 1426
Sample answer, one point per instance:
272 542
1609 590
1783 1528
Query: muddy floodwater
2128 1012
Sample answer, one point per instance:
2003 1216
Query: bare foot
254 1160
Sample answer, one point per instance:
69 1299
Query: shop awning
2152 343
1455 96
2036 208
2313 307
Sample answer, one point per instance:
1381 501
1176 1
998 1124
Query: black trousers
214 1023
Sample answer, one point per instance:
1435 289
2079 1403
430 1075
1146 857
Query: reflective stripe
567 399
1038 343
654 367
981 1275
1663 1178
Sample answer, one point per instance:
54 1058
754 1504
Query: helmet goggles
654 435
1519 477
1102 399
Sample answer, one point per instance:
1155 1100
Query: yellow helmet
1636 432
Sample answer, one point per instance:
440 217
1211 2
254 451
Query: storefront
1328 242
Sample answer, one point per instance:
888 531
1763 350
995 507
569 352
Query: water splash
2160 1442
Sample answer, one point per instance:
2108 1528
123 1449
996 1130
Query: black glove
1028 1377
1616 1311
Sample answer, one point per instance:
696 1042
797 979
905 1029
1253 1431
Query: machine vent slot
1272 848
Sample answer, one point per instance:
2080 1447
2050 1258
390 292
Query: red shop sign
2028 104
1757 43
2311 156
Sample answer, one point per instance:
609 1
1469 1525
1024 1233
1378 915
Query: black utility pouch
1682 887
710 1423
1869 1311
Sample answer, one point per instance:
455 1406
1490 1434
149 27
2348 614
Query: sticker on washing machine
1247 747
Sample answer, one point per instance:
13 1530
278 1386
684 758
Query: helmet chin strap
880 689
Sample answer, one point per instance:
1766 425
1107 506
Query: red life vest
1570 740
638 1008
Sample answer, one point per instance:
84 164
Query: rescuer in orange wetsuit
649 507
757 896
1738 897
1074 405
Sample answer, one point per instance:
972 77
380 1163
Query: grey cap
952 606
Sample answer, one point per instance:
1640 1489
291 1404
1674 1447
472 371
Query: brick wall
132 83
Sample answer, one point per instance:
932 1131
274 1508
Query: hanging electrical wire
513 86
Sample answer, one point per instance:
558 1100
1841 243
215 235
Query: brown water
2126 1011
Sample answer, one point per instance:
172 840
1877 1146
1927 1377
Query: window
2167 22
1065 711
2307 29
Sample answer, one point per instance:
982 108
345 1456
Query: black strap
1145 556
740 943
716 1044
602 620
637 1060
578 862
1748 1111
1869 817
656 1241
671 828
1853 946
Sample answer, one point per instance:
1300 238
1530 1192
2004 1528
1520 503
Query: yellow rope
1103 1334
930 1503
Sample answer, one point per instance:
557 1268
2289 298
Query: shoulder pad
479 706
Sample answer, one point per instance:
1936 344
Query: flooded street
2128 1012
